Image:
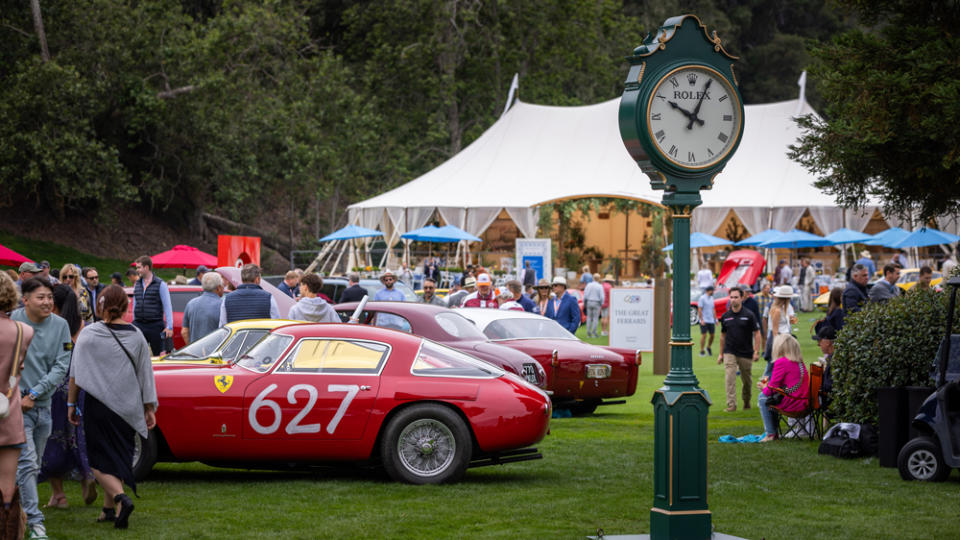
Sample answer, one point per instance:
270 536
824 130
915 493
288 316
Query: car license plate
598 371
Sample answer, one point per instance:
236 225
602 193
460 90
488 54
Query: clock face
694 117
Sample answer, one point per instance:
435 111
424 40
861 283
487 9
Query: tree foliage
892 101
886 345
280 113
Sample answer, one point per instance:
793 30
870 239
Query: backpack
847 440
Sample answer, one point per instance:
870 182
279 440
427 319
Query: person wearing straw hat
563 307
388 293
866 261
779 320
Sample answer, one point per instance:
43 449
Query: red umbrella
183 257
10 257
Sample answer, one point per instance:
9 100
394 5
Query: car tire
921 459
144 454
694 317
584 407
426 444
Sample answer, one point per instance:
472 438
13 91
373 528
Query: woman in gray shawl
111 362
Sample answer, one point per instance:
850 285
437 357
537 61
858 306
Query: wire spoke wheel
426 444
426 447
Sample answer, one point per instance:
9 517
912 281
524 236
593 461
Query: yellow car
441 293
909 277
225 344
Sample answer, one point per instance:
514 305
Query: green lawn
596 472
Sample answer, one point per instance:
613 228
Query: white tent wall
537 154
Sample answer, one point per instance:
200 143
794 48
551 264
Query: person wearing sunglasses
70 276
93 286
430 293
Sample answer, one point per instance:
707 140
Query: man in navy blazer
563 307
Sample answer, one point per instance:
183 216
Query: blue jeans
770 418
36 426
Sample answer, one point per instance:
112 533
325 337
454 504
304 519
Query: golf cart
930 456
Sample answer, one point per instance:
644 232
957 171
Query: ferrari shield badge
223 382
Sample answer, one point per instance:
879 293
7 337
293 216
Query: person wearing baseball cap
484 297
28 270
563 307
201 270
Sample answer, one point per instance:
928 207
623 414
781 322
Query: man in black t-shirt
739 348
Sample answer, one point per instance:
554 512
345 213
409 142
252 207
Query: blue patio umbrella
795 238
887 237
699 240
847 236
925 237
432 233
759 238
350 232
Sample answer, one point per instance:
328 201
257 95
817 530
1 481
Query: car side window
336 356
389 320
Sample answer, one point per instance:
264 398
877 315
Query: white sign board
535 251
631 319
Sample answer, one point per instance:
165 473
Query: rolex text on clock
693 117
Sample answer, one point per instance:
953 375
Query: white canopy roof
536 154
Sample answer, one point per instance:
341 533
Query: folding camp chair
808 422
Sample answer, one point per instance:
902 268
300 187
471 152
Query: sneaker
38 532
746 405
709 351
702 353
730 409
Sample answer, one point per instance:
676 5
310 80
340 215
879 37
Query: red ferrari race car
579 375
312 394
742 267
450 328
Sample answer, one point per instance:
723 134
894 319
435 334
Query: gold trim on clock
738 109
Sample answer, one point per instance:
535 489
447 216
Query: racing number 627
294 426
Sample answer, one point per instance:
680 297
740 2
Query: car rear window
517 328
435 360
458 326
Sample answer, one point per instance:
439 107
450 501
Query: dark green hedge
890 344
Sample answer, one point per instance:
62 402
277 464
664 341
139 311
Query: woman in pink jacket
790 375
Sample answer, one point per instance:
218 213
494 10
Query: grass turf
596 473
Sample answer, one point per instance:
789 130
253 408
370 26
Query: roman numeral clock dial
694 117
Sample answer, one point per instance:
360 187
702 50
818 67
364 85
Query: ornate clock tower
681 119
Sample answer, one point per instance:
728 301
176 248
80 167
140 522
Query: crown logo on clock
692 78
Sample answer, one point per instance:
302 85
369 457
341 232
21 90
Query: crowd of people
67 358
760 323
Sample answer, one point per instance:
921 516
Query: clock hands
681 109
696 111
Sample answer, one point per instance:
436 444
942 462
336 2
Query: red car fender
633 358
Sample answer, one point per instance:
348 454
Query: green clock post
681 119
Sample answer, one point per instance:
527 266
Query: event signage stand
681 119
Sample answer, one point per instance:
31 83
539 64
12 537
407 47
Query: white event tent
536 154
